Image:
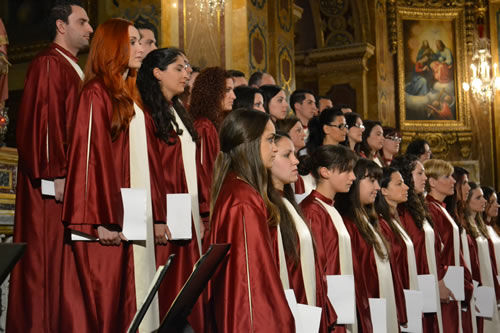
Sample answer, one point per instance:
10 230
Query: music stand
175 320
139 315
11 253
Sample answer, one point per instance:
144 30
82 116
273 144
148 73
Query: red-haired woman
110 150
212 98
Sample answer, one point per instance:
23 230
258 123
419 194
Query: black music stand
10 254
139 316
175 320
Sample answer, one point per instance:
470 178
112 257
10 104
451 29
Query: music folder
175 320
11 253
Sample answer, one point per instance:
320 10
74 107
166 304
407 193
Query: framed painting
431 68
25 21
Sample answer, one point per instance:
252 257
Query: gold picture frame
431 61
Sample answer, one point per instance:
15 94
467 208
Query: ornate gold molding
442 144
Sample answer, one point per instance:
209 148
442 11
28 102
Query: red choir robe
104 297
186 252
245 294
417 235
444 229
207 148
366 277
299 187
296 282
472 262
325 236
49 100
399 266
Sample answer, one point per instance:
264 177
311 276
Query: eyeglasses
394 138
361 126
339 126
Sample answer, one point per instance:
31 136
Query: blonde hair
435 168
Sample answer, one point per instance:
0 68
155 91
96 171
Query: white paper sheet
378 313
134 213
292 303
454 280
48 187
428 286
134 216
179 215
414 305
310 317
342 296
485 301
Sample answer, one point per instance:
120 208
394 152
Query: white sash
144 252
466 251
410 252
345 249
456 235
386 285
430 253
72 63
496 244
487 279
188 147
309 183
456 253
307 261
282 261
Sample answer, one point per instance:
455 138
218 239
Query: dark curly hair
154 100
207 95
415 204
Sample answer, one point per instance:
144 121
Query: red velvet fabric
443 228
207 150
398 257
417 235
104 298
49 100
245 294
187 252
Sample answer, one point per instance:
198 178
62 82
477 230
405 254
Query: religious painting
431 56
26 24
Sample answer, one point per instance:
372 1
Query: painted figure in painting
429 84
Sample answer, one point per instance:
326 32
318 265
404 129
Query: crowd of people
300 195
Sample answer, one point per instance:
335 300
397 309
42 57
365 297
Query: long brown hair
349 205
474 224
108 60
239 136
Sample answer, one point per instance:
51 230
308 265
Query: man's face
267 79
148 41
307 109
240 81
325 103
78 30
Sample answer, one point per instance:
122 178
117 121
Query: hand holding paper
454 280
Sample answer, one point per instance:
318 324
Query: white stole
144 251
345 249
410 253
466 252
456 253
282 261
188 147
430 253
495 239
307 260
378 162
385 284
488 280
72 63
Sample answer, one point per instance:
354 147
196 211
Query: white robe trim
386 285
189 161
307 260
144 252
